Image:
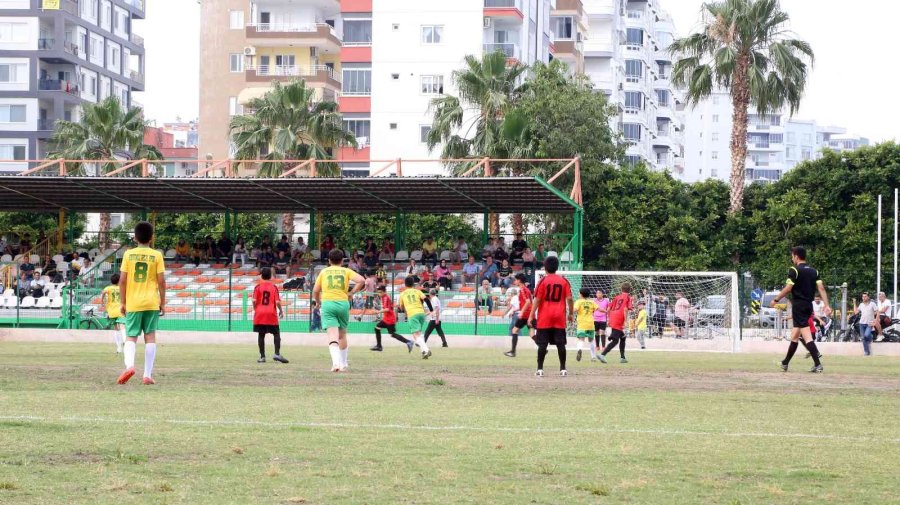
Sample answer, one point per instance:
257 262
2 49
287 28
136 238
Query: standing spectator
370 247
489 273
540 255
298 250
369 261
240 252
484 298
518 247
866 311
387 249
4 246
326 246
660 310
25 244
444 276
434 322
470 271
500 254
210 248
682 314
182 251
380 273
505 275
460 251
882 314
429 251
284 245
224 247
412 270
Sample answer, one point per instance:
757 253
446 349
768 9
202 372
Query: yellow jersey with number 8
334 283
142 265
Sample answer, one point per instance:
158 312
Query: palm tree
106 131
481 121
288 123
744 47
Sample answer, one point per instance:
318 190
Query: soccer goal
708 311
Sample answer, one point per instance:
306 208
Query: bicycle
93 322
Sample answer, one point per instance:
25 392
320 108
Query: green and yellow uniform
114 304
411 300
334 283
584 317
142 266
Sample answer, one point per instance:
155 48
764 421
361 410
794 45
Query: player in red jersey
619 308
521 282
266 311
388 321
552 297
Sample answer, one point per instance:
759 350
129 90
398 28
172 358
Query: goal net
688 306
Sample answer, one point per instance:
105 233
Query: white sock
335 355
344 355
129 353
119 335
577 344
421 342
149 358
593 349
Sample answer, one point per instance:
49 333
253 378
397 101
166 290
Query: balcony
317 76
137 39
137 7
70 87
503 9
509 49
318 35
136 76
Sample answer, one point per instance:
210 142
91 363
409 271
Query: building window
432 84
791 137
715 118
807 154
424 130
807 139
120 21
662 96
13 32
776 138
12 152
236 62
790 153
632 160
358 32
105 15
634 100
562 28
360 128
634 70
714 136
715 155
715 100
714 172
96 49
631 132
13 72
357 82
236 20
234 108
432 34
634 37
12 113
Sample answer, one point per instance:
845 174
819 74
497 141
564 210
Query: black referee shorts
801 312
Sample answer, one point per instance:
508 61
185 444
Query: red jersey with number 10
554 292
618 309
265 295
389 317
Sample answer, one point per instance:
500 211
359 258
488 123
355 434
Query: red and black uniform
265 316
554 292
618 313
524 298
388 322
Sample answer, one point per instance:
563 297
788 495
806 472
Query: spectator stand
215 296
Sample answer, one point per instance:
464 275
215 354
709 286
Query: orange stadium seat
184 294
176 265
498 313
178 287
222 287
454 305
469 305
219 265
194 272
356 312
199 294
215 280
181 310
180 272
202 280
467 289
238 287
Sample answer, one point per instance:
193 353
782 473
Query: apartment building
625 55
383 61
57 55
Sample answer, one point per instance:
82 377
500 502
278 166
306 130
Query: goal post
711 312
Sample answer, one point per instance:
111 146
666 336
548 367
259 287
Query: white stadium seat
12 302
6 258
445 255
552 253
416 255
42 303
56 303
27 303
170 254
566 256
402 256
34 259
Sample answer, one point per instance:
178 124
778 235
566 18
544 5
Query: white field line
498 429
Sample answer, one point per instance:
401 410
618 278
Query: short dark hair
381 287
521 277
626 288
114 279
551 264
265 273
799 252
409 281
143 232
585 292
432 292
336 256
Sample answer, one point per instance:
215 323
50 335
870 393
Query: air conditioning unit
249 51
487 22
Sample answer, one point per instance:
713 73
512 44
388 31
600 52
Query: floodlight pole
878 253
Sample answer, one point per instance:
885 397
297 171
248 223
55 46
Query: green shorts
144 321
117 320
335 314
585 334
417 323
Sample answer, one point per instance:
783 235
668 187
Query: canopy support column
313 242
400 231
228 223
61 230
485 229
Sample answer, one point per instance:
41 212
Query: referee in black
803 283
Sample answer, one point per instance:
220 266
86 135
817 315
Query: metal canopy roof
435 195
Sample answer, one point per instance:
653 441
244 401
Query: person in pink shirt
600 318
682 314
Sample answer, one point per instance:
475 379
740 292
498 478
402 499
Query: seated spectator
307 258
198 254
25 244
489 249
412 270
489 273
460 251
444 276
282 264
470 271
48 268
209 247
370 246
501 242
380 273
265 257
4 247
540 255
23 287
500 255
326 246
505 275
369 261
484 298
299 248
353 263
283 246
182 251
27 268
428 280
224 247
518 247
387 250
240 252
37 287
528 257
429 251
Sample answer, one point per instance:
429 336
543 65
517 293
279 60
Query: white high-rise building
625 56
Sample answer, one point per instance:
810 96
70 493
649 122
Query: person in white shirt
460 251
866 310
882 314
512 297
434 319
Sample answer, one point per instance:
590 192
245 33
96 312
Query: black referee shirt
803 280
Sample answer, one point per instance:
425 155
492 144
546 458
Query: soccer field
466 426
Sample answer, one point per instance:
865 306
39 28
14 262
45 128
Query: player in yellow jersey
413 302
111 299
142 290
332 293
584 321
640 324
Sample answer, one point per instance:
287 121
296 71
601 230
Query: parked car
711 311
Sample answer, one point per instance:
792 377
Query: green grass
465 426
